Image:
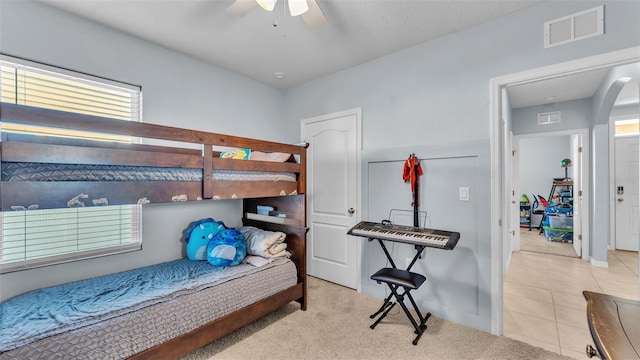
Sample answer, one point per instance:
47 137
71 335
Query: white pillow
256 261
273 157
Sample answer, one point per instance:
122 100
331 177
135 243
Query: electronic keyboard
406 234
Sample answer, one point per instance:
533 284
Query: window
627 127
30 237
32 84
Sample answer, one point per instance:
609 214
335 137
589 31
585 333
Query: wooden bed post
302 180
207 171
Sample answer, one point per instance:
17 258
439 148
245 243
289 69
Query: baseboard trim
600 264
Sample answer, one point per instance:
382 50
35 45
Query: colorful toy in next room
199 234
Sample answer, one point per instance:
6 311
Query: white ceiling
263 43
570 87
357 31
561 89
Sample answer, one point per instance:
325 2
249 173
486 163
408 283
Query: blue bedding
49 311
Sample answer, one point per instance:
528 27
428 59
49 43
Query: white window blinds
32 84
32 238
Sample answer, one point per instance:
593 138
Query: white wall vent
574 27
549 118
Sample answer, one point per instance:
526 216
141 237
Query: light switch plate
463 193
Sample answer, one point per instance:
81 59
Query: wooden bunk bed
193 151
189 149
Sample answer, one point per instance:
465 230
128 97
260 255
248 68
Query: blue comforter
49 311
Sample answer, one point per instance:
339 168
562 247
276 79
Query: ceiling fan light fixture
298 7
267 4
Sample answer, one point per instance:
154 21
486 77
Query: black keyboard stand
397 279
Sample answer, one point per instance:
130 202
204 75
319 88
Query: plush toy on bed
199 234
227 248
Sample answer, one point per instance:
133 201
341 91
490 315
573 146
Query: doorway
499 191
538 160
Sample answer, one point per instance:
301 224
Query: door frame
584 177
498 192
514 144
357 112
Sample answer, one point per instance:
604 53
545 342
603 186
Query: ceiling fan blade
314 16
241 7
298 7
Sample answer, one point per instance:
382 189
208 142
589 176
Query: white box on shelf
264 210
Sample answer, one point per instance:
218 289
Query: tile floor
534 241
543 302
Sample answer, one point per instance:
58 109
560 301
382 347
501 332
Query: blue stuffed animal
227 248
198 236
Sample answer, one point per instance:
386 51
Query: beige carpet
336 326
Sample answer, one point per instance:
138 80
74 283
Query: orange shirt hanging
411 171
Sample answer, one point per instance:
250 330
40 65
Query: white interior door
576 156
627 193
332 196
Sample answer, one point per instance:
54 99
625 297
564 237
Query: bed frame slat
61 154
116 192
43 139
231 164
242 189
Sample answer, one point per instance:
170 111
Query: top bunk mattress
20 171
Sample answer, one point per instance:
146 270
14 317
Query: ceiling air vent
574 27
549 118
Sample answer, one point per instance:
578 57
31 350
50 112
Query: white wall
600 194
437 93
626 111
177 91
575 114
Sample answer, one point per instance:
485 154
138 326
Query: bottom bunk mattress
155 315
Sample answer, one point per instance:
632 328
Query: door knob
620 199
351 210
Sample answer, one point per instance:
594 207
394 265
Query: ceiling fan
309 9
